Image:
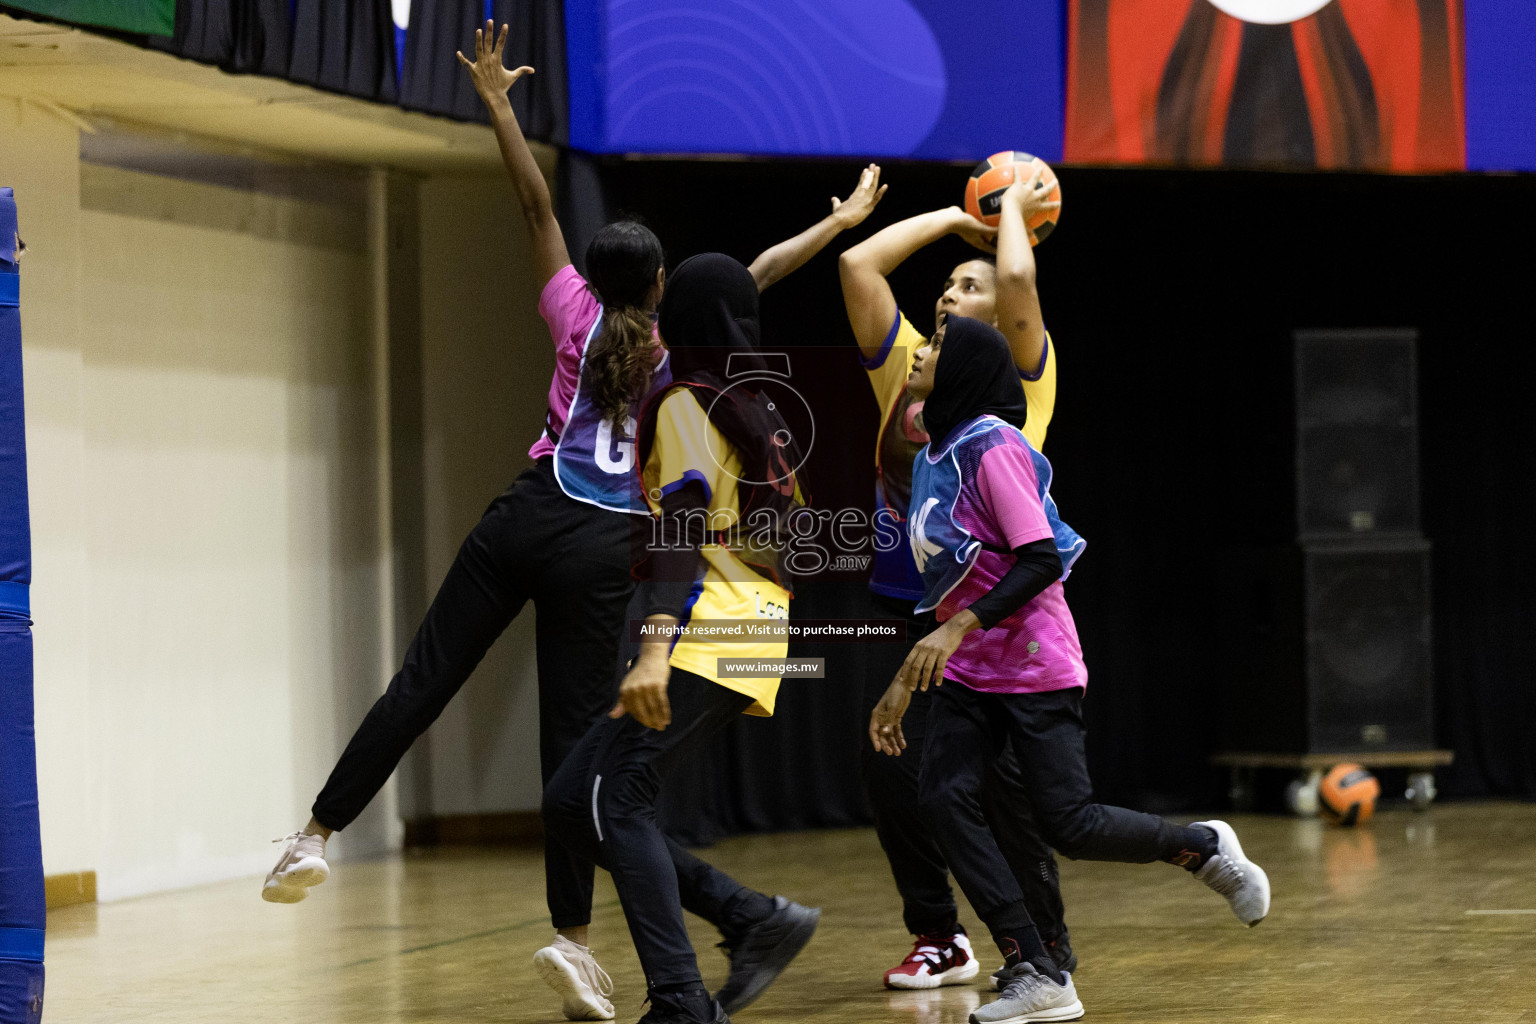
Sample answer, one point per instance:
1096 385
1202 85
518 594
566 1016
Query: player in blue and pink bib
589 437
559 536
993 553
965 534
1004 293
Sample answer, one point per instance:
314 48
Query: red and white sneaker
935 960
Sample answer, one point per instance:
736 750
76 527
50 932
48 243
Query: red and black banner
1363 84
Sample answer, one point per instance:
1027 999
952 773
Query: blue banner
1501 90
923 79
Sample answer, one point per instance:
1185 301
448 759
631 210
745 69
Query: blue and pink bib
594 457
945 551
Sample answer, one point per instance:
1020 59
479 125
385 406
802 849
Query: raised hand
972 230
862 202
1030 197
490 78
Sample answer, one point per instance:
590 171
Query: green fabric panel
151 17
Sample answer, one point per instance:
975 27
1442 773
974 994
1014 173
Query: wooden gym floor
1413 917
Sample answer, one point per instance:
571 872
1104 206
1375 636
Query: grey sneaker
302 865
1029 995
1061 952
1240 880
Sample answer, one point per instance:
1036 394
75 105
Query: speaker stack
1330 632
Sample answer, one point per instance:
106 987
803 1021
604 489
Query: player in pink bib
993 553
560 536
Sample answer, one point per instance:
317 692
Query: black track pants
967 731
917 862
602 804
533 543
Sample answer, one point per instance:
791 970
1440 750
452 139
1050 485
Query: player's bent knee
1067 830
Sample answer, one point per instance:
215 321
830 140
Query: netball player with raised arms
1003 293
559 535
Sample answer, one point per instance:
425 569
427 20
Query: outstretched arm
1018 303
871 306
492 82
791 254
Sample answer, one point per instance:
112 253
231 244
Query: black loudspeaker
1332 649
1357 435
1328 636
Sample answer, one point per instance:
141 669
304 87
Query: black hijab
708 319
708 313
975 376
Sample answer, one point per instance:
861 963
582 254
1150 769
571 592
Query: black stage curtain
345 46
434 82
1172 296
243 36
579 203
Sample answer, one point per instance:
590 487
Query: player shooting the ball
1000 292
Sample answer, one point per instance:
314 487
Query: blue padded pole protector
23 913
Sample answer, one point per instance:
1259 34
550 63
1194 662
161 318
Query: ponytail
620 362
624 261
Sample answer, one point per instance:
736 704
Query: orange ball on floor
1347 794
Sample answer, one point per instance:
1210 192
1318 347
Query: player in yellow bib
713 454
1001 292
690 454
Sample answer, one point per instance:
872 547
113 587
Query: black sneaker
764 950
1061 952
684 1008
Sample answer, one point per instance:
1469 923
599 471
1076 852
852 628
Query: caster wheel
1240 790
1301 795
1421 790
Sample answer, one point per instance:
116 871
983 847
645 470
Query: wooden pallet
1301 795
1322 762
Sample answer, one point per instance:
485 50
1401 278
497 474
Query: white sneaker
1240 880
572 971
302 865
1029 996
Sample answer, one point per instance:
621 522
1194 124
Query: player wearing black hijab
993 553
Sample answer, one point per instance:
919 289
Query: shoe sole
1226 835
577 1000
294 884
953 976
1073 1012
274 892
780 957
